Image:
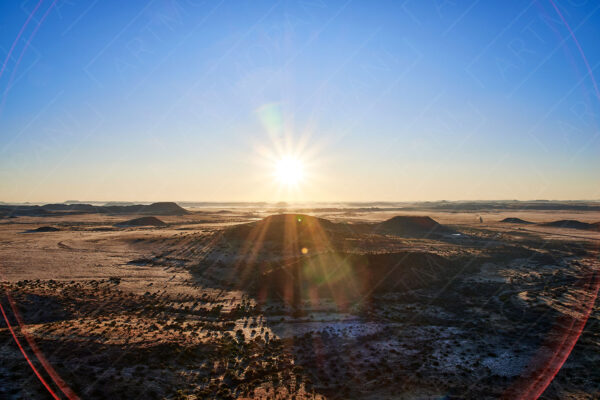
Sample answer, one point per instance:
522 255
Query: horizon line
275 202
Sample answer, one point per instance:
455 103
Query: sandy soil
156 312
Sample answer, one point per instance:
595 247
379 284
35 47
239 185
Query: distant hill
574 224
513 220
507 205
162 208
44 229
118 203
8 211
413 226
143 221
77 207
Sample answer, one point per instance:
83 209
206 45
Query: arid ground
259 302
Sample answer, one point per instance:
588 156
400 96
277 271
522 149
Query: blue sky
196 100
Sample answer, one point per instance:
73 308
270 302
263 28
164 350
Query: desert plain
230 301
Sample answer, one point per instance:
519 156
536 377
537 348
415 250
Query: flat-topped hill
161 208
513 220
417 226
574 224
143 221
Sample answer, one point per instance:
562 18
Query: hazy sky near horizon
197 100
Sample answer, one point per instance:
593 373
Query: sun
289 171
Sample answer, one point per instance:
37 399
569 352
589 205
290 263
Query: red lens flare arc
33 368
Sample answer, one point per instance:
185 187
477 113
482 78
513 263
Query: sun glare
289 171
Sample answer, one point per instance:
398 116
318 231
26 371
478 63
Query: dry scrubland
341 304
